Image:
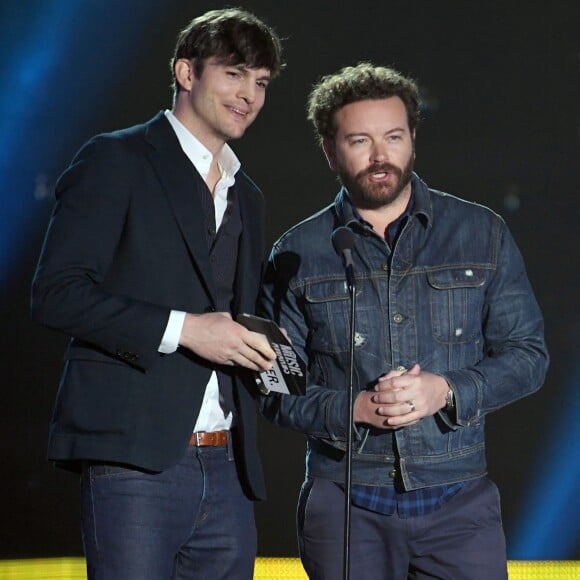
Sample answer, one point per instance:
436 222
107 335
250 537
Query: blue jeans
463 540
190 521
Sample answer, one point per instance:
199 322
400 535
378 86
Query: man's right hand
219 339
367 411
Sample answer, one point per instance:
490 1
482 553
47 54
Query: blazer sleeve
69 290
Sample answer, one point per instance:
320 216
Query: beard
368 195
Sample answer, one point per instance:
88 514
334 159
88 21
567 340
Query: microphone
343 242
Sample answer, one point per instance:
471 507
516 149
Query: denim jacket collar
348 215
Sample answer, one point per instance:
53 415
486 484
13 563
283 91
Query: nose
379 153
247 90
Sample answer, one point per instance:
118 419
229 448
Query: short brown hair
358 83
234 36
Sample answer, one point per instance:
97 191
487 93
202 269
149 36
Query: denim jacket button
386 267
398 318
393 473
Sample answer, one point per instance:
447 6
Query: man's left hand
406 398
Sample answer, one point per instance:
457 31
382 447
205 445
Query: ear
184 73
328 149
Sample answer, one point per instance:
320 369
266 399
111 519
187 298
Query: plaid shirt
408 504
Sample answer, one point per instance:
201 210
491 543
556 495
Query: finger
415 370
389 396
401 425
407 378
404 382
259 343
398 422
247 353
404 409
407 414
246 363
392 373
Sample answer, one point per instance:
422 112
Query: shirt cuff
172 334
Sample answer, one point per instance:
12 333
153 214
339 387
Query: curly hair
358 83
232 35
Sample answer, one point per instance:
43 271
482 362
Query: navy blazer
124 246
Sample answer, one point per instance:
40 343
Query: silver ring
412 405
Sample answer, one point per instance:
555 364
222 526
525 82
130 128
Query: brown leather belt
209 438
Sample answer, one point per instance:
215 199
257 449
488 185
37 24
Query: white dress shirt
211 416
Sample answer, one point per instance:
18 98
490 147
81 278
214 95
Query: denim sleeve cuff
468 398
336 406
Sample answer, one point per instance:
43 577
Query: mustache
378 168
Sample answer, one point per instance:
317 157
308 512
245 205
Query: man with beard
447 329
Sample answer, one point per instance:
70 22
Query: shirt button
398 318
393 473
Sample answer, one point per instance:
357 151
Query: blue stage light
29 59
61 61
549 525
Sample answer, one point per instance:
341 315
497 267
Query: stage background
500 87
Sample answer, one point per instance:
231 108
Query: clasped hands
401 398
216 337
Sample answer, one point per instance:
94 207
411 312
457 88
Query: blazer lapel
251 248
176 175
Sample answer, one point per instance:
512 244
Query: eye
234 74
395 138
262 84
358 141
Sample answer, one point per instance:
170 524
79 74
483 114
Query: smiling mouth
239 112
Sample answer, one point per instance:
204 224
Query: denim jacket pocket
328 305
456 299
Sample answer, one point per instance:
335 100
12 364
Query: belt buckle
198 438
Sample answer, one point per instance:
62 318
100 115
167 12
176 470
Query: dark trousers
191 521
463 540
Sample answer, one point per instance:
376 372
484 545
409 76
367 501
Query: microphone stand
343 242
349 427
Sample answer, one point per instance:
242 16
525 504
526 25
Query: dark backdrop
499 82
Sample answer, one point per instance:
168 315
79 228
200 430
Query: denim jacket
452 295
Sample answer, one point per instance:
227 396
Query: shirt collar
199 155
